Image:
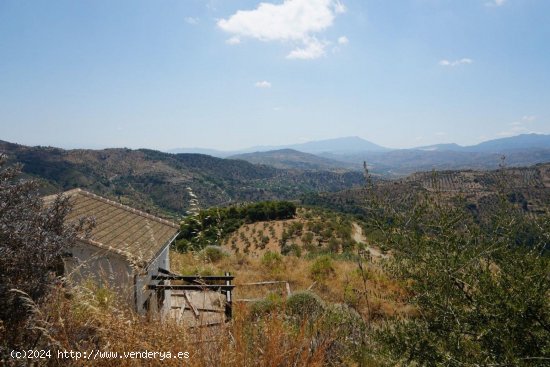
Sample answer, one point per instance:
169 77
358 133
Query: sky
230 74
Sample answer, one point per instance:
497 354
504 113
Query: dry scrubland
272 332
92 319
479 285
335 281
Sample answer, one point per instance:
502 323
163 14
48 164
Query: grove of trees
208 227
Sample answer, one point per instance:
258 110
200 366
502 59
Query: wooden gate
197 300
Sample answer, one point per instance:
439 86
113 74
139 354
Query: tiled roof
119 228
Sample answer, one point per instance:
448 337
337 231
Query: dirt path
358 236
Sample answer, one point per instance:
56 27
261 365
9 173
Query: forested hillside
528 188
158 181
290 158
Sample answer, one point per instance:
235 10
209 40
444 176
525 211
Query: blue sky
232 74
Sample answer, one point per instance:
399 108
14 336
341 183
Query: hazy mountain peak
348 144
523 141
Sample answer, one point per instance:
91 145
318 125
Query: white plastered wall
142 280
108 268
104 267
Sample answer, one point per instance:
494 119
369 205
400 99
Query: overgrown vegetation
32 240
456 288
482 289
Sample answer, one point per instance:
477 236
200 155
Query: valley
317 252
158 182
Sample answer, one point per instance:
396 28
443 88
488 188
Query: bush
346 327
292 249
481 289
304 305
266 306
32 240
321 268
213 253
272 261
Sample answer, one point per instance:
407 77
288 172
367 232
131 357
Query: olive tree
33 238
481 290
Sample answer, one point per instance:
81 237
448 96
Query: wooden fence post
229 301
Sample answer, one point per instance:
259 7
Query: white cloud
520 127
343 40
313 49
192 20
294 21
463 61
263 84
440 133
495 3
233 40
339 8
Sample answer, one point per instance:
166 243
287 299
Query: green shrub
307 238
213 253
321 268
346 327
272 261
481 288
304 305
292 249
266 306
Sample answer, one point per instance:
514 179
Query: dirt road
358 236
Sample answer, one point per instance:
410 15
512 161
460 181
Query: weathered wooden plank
192 278
205 319
183 287
249 299
190 304
263 283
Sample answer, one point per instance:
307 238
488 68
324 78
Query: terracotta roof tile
137 235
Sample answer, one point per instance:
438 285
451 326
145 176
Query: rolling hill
159 181
399 163
350 152
293 159
526 187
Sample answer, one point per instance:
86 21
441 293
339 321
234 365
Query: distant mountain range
152 179
159 181
503 145
346 145
351 152
354 144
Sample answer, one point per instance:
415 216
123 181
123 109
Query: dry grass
345 285
88 318
92 319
